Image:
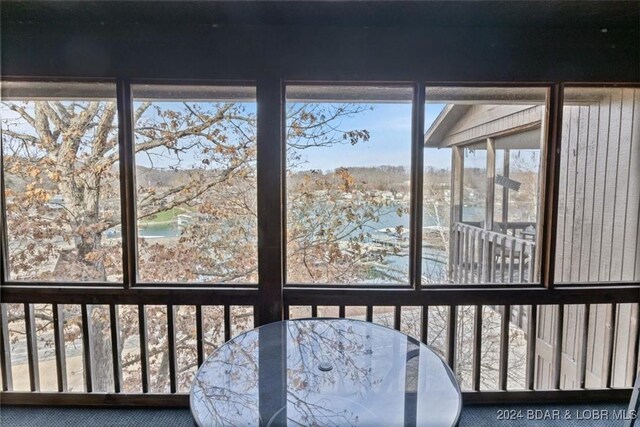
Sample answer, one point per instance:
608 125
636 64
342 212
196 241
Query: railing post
5 350
490 184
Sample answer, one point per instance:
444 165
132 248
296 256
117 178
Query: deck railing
483 256
493 358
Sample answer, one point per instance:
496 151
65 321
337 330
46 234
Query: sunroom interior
176 174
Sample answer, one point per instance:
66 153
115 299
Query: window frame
271 292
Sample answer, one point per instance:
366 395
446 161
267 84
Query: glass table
324 372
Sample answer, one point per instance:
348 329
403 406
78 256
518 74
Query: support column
505 192
491 182
457 171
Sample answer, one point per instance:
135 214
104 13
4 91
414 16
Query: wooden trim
32 347
417 182
271 172
94 399
182 399
549 192
584 347
557 347
460 296
431 295
59 344
424 333
490 184
504 346
144 356
611 344
532 337
546 396
4 238
452 333
5 350
114 323
477 348
171 347
199 335
227 322
150 296
127 166
87 353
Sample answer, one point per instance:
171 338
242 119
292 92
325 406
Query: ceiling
524 14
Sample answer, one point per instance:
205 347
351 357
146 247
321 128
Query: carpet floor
486 415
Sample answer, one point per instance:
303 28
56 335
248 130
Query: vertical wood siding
600 190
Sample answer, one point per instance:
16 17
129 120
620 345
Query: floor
494 416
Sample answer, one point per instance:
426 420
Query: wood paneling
599 190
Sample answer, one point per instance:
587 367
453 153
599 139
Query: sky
389 126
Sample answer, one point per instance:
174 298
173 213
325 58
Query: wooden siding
484 121
599 196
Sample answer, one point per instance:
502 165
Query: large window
195 155
482 184
348 184
60 169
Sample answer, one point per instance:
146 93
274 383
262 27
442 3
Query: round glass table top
324 372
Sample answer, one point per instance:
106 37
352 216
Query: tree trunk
101 349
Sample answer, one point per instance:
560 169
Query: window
195 155
348 184
60 170
599 186
482 184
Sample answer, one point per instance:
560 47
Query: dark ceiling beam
383 41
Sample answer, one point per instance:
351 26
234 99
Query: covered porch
495 139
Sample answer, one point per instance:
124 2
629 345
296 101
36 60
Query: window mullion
127 182
551 164
417 175
271 175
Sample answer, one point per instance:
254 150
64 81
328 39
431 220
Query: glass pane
196 184
348 175
599 187
62 188
482 184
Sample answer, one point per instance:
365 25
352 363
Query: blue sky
389 126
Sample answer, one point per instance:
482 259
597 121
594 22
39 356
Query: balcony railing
483 256
494 358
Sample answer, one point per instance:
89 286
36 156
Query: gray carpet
471 416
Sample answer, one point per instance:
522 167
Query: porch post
485 247
457 171
505 193
491 179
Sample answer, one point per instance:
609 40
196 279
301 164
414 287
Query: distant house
56 202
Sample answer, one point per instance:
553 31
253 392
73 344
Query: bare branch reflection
337 373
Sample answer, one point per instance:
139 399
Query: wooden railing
464 335
483 256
